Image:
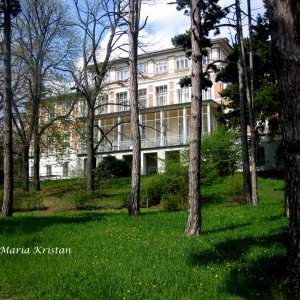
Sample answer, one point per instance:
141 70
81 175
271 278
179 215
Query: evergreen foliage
267 103
111 167
15 7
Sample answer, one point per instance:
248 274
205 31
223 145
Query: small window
161 66
122 103
182 63
142 69
122 73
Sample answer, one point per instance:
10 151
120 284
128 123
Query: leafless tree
98 21
44 42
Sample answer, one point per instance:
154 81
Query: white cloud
164 21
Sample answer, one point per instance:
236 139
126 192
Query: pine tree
204 17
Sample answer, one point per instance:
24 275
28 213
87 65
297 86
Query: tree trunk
134 16
284 16
244 141
25 168
90 162
193 225
36 161
250 97
7 205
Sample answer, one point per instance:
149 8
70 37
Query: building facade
164 107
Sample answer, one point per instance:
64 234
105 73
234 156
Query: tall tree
45 43
96 19
193 225
205 15
284 16
133 33
8 8
250 97
244 92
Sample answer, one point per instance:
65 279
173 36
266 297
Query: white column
161 156
161 128
184 125
119 134
208 119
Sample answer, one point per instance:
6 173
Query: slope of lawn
239 255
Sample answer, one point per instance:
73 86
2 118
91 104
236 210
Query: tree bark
242 89
91 161
284 16
193 225
7 205
134 17
250 98
25 168
36 161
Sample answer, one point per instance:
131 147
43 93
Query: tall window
102 104
206 94
65 169
122 73
48 170
182 62
161 95
161 66
206 59
183 94
51 113
142 69
142 96
66 140
122 103
66 107
82 108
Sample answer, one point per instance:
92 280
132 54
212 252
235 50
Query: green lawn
239 255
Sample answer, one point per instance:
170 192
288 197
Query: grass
239 255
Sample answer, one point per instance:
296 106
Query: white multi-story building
165 109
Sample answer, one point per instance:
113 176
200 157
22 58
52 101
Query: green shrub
171 186
171 201
220 154
235 188
111 167
152 193
83 199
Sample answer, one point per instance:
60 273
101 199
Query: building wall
164 112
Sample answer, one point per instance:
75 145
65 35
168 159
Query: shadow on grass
28 224
249 278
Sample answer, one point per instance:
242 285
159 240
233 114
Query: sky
164 21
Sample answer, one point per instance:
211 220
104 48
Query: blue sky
164 21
